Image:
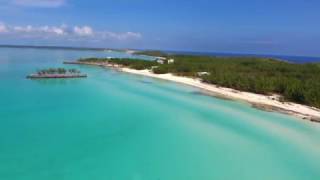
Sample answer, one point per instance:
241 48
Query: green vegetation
299 83
57 71
151 53
137 64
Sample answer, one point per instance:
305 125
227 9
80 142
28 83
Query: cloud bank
3 28
39 3
65 32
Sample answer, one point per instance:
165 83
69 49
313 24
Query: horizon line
124 49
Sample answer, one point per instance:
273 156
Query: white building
170 61
165 61
203 73
160 61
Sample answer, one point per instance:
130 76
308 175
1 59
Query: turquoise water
117 126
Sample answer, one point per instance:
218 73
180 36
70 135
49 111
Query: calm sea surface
117 126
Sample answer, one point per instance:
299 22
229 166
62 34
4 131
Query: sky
279 27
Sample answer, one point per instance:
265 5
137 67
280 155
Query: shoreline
259 101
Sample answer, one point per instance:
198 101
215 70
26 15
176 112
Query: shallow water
119 126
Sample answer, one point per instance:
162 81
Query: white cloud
40 3
54 30
123 36
83 31
73 33
3 28
41 29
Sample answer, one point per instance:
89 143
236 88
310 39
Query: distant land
60 47
294 59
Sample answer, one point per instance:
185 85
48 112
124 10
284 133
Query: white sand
269 102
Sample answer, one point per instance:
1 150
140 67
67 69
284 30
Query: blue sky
288 27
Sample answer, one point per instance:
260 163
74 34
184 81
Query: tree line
299 83
57 71
137 64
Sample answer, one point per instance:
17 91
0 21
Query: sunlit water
117 126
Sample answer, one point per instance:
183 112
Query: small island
57 73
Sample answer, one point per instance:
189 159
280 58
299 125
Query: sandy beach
270 103
264 102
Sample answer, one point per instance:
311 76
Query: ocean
118 126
